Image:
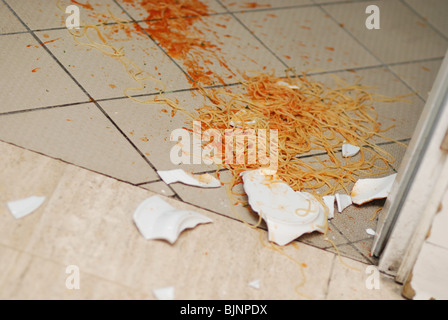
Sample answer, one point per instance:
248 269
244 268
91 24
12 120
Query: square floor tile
28 68
420 76
8 21
81 135
104 76
403 36
307 39
433 11
150 126
47 14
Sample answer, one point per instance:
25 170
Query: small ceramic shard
287 213
179 175
158 220
329 202
21 208
282 83
349 150
366 190
255 284
371 232
343 201
164 293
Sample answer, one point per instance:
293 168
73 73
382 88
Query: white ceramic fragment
255 284
366 190
158 220
329 202
282 83
343 201
371 232
21 208
349 150
164 293
179 175
287 213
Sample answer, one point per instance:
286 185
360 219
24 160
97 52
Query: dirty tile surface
101 98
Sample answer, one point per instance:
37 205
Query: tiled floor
66 101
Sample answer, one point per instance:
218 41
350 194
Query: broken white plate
366 190
179 175
329 202
158 220
282 83
21 208
164 293
349 150
343 201
287 213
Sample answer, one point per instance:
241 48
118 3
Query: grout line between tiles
83 89
219 86
423 18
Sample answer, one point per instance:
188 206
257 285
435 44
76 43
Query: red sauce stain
183 39
35 70
50 41
253 5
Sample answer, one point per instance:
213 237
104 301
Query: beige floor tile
403 35
28 277
24 174
433 11
26 67
45 14
8 22
106 77
150 127
352 280
109 245
419 76
81 135
306 39
241 5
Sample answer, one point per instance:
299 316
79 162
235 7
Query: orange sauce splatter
180 38
50 41
35 70
86 6
329 48
253 5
